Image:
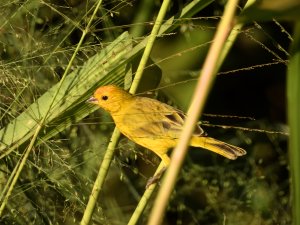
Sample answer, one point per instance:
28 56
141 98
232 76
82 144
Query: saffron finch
153 124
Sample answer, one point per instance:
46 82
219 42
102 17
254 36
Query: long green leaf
77 87
106 67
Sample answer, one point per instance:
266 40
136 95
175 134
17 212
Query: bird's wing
174 120
154 119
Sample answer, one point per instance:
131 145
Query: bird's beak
92 100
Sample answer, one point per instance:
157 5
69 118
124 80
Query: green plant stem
43 121
144 200
293 94
204 84
148 48
18 171
100 178
111 148
231 38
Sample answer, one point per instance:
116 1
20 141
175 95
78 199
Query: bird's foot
155 178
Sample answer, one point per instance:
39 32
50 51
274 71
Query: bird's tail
219 147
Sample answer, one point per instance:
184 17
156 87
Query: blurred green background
247 107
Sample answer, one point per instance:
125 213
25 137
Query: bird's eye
104 97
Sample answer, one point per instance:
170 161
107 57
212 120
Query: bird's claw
155 178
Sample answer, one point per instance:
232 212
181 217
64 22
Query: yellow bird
153 124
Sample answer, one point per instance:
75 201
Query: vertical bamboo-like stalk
293 94
204 84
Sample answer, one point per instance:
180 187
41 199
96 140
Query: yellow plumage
153 124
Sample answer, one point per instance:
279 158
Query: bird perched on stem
153 124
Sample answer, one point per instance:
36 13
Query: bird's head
110 97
